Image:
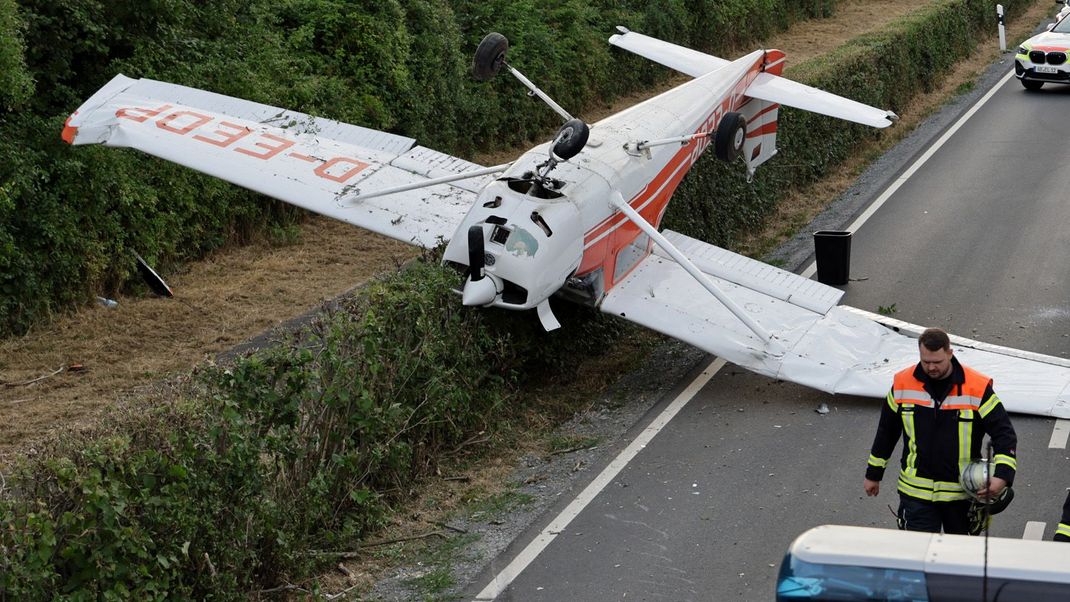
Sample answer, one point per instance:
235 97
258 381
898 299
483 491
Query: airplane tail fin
760 145
761 116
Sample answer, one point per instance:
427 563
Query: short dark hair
934 339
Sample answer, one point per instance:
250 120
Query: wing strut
617 200
443 180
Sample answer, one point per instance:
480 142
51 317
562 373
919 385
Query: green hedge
300 447
71 217
15 82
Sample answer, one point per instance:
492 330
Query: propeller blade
476 261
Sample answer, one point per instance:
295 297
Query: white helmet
975 477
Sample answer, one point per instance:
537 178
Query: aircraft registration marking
225 134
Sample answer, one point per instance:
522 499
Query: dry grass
219 302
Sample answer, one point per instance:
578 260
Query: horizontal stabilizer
314 163
837 349
773 88
766 86
685 60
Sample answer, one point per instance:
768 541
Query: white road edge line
556 526
1034 530
1059 434
888 192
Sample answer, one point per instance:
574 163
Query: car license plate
1046 69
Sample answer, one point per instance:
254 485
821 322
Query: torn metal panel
839 350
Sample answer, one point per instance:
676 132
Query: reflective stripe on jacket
1062 531
941 436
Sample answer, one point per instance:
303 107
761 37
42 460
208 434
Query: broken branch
32 381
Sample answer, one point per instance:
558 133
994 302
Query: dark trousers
920 515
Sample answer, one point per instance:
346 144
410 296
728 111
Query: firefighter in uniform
942 410
1062 532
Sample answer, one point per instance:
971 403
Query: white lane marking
1060 433
875 205
1034 530
556 526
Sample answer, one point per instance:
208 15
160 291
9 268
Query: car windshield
1062 26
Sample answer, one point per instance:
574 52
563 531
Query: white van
835 562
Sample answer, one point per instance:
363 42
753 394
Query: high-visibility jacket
1062 532
941 434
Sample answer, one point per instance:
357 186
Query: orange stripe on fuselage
771 107
604 241
768 128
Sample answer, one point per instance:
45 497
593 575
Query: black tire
1032 84
571 139
490 56
730 136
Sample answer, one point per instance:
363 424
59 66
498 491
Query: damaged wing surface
314 163
832 348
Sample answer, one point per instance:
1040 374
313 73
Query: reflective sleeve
1062 532
997 423
889 429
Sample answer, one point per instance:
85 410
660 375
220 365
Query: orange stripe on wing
69 131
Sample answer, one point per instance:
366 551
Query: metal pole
431 182
618 201
536 91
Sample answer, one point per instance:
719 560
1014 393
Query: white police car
1043 57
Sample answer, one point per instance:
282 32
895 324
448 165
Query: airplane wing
766 86
832 348
682 59
314 163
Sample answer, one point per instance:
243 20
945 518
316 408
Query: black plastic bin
832 249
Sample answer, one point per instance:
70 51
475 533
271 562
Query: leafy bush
297 447
15 83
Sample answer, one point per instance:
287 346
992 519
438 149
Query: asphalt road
977 241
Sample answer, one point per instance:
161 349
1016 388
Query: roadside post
1002 29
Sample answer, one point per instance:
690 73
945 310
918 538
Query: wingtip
69 131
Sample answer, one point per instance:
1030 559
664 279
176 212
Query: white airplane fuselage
538 240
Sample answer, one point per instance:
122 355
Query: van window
799 580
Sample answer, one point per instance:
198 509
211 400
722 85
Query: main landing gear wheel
490 56
571 139
730 136
1032 84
